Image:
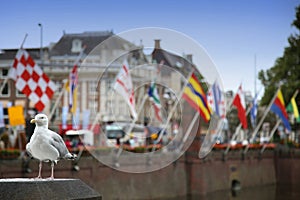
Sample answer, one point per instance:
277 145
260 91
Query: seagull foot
38 178
50 178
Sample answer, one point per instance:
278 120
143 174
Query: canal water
270 192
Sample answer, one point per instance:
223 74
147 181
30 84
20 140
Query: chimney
189 58
157 44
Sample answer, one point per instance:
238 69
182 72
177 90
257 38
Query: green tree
286 71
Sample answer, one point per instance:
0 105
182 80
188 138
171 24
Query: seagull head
40 120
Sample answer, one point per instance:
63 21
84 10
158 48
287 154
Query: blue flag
253 111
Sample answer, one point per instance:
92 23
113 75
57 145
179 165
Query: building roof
88 39
9 54
171 60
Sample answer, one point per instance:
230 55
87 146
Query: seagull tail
71 156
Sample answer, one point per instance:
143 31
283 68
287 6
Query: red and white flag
31 80
124 87
239 103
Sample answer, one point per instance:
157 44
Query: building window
76 46
5 91
3 73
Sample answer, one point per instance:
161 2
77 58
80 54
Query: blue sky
232 31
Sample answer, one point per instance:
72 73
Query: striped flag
154 97
195 96
124 87
293 108
216 101
278 107
73 83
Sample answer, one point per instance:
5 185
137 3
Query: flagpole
171 113
65 84
295 94
231 102
254 74
236 132
57 100
6 79
261 121
188 131
131 126
271 135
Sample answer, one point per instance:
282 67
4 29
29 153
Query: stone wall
188 175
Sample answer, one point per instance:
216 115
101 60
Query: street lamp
41 48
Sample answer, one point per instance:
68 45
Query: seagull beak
32 121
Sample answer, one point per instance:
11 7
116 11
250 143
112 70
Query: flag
124 87
31 80
73 82
2 124
215 100
278 107
195 96
239 103
154 97
64 117
86 119
293 108
253 111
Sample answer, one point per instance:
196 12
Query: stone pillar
24 188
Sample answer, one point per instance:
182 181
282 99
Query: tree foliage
286 70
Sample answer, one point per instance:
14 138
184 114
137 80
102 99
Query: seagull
46 145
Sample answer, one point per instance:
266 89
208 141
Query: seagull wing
28 150
58 143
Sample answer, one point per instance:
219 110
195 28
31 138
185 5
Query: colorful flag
64 117
31 80
73 83
124 87
253 111
278 107
195 96
293 108
2 124
239 103
154 97
216 101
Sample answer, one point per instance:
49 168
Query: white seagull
46 145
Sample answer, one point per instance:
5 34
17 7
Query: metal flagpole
271 135
171 114
236 132
65 84
261 121
132 124
57 100
231 102
7 77
188 131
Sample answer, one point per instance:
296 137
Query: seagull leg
40 170
52 170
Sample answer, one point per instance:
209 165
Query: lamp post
41 48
